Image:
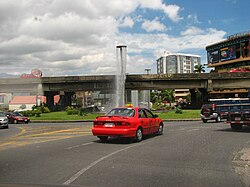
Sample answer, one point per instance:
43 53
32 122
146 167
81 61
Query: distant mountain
6 75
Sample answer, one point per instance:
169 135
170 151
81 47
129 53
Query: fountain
121 75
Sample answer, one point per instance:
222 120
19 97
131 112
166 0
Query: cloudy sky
79 37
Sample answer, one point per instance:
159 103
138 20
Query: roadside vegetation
164 105
171 114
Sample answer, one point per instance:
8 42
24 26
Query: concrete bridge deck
208 81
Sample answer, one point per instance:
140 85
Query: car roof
135 108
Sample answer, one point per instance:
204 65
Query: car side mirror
156 116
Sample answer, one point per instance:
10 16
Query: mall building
230 55
234 52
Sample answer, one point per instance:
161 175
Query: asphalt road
188 154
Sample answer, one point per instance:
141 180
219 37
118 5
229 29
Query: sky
79 37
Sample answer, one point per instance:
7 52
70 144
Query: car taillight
125 123
98 123
213 106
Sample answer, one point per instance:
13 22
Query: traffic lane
37 133
58 161
52 162
11 131
15 129
191 155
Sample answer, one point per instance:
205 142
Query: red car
127 122
15 117
239 70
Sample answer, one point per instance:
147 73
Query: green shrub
69 108
72 112
178 110
37 112
83 112
28 113
46 110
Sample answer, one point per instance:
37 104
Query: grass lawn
186 114
63 116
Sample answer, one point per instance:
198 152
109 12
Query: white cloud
193 18
191 31
173 12
153 25
78 37
127 22
156 4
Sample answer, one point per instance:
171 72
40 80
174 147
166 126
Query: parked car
239 70
3 120
127 122
16 117
208 112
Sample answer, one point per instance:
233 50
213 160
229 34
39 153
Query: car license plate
237 119
109 125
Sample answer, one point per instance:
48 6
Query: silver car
4 123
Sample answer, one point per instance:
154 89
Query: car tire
218 119
103 138
236 127
26 122
15 121
160 130
138 135
204 120
6 127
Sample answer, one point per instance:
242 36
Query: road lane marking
82 171
32 135
76 146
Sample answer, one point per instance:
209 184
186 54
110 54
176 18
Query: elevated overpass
208 81
70 84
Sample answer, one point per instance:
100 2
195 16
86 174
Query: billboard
227 53
213 56
35 73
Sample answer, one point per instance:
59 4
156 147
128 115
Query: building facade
230 55
234 52
177 63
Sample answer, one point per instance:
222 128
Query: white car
4 122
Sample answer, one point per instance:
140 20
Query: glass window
129 112
149 114
142 114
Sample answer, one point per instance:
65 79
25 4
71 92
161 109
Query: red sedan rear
127 122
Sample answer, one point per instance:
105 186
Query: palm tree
199 68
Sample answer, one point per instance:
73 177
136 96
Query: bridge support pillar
193 98
50 99
204 95
66 99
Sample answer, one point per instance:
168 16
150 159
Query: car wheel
218 119
160 130
15 121
6 127
204 120
26 122
103 138
139 135
236 127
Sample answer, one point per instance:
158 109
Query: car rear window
2 114
129 112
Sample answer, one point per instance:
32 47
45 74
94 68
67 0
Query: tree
199 68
